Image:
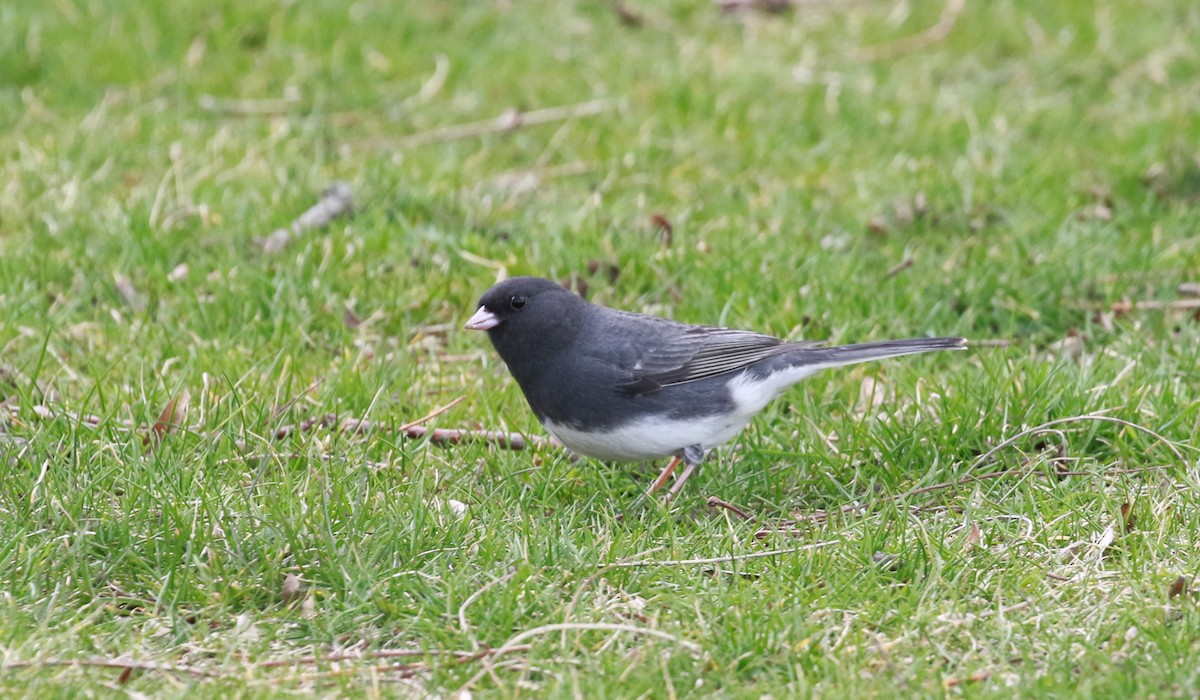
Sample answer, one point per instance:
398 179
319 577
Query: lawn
210 480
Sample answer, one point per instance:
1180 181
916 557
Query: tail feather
864 352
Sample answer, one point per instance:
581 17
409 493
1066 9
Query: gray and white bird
624 386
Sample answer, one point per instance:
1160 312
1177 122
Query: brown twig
899 267
1122 307
437 436
336 201
715 502
976 677
448 436
939 31
326 420
773 7
113 663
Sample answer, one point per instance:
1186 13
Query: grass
1036 164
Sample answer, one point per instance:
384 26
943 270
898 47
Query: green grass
1037 164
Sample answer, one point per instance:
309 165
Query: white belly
655 437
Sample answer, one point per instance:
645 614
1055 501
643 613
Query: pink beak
482 320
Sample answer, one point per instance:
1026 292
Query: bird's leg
666 474
693 455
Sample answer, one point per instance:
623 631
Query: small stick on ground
1122 307
437 436
715 502
114 663
459 656
721 560
335 202
899 267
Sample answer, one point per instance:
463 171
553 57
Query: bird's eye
517 302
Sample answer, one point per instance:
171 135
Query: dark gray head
527 316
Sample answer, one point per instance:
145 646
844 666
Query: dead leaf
973 537
1127 516
1104 319
1178 588
771 7
665 230
171 418
290 592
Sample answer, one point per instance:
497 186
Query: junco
624 386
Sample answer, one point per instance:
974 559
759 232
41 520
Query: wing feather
683 353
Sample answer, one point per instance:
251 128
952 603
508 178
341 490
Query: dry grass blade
509 121
514 642
1076 419
590 579
431 415
462 609
721 560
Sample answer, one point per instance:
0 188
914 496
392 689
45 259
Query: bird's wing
654 353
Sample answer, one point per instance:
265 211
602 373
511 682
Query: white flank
651 437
